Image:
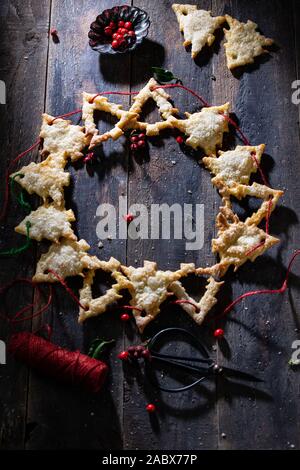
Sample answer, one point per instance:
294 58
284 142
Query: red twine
68 289
53 361
281 290
130 307
71 113
185 301
18 316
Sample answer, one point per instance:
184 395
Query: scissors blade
241 374
199 370
206 360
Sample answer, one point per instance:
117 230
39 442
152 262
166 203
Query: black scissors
191 367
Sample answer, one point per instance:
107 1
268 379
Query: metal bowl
139 19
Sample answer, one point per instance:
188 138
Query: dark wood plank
63 417
23 49
189 420
261 330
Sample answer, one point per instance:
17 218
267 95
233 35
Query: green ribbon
17 251
19 197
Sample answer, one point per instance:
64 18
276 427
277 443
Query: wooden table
41 75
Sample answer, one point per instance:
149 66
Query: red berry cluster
119 33
135 352
122 34
137 141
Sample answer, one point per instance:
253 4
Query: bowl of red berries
118 29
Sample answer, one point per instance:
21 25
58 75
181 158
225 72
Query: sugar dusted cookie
67 258
50 223
237 242
269 196
97 306
62 139
44 179
234 166
197 26
149 289
204 129
244 43
126 119
204 305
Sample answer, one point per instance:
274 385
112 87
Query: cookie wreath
237 241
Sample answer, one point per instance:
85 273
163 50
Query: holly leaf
98 346
164 76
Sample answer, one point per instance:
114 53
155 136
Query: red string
228 118
71 113
130 307
176 85
264 179
124 93
68 289
270 202
17 317
185 301
53 361
281 290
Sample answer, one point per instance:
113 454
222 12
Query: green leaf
164 76
98 346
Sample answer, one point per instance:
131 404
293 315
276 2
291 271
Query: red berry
219 333
133 146
119 37
141 136
115 36
53 32
124 355
134 138
179 140
128 217
122 42
123 31
125 317
141 143
115 44
146 354
119 31
128 25
108 31
112 25
121 24
131 350
131 34
151 408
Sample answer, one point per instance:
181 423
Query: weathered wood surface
37 413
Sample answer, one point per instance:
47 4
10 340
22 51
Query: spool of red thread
53 361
